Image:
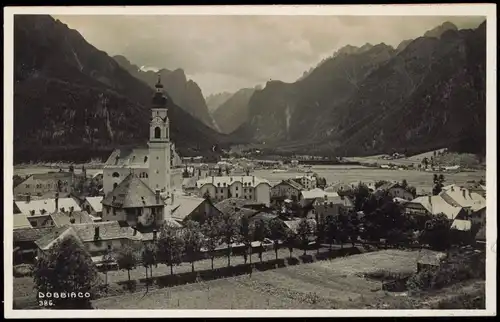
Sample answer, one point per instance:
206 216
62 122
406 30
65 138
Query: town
151 219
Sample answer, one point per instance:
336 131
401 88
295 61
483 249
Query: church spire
159 85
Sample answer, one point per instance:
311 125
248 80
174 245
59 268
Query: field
337 283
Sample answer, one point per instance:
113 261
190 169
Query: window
27 186
146 159
236 195
157 132
34 223
236 188
116 175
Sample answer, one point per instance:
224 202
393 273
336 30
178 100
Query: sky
227 53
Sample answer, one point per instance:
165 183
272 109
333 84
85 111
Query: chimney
71 210
253 180
135 231
96 232
452 188
28 198
155 234
57 201
463 192
157 195
32 212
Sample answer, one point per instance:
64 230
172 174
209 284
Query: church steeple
159 98
159 85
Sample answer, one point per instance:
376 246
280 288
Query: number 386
45 303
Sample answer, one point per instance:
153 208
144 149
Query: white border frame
487 10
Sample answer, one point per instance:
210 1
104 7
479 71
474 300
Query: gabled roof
49 205
128 158
236 207
436 205
388 185
30 234
64 218
185 205
132 192
334 199
95 203
464 198
339 186
21 221
58 234
292 183
318 193
461 225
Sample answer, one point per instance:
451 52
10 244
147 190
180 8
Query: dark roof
235 207
30 234
64 218
56 234
388 185
107 230
132 192
264 216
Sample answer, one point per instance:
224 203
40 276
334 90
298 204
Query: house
25 249
308 182
395 190
473 203
307 197
132 201
329 205
369 184
193 208
428 259
44 184
48 205
93 206
246 187
286 189
339 188
96 238
433 205
21 221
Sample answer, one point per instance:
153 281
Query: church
137 182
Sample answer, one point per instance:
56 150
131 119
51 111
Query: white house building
308 182
244 187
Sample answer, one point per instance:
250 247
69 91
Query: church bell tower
159 142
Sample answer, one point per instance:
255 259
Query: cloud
225 53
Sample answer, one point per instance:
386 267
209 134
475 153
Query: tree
353 227
210 230
404 184
319 231
438 184
246 235
437 232
304 233
107 259
321 182
361 194
66 268
170 246
126 259
148 259
290 238
230 233
331 229
260 232
206 195
277 233
425 162
193 241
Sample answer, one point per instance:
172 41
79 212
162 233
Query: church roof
132 192
129 158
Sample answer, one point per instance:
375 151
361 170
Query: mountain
214 101
291 111
74 102
185 93
427 93
234 111
440 30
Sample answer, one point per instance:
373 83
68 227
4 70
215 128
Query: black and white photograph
330 160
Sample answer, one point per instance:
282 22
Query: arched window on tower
157 132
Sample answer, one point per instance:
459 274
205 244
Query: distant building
44 184
330 205
339 187
245 187
395 190
308 182
433 205
25 249
286 189
307 197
